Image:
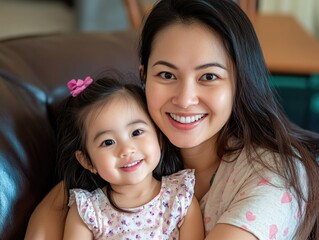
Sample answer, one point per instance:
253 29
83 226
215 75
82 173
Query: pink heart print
207 220
286 231
286 198
250 216
264 181
273 230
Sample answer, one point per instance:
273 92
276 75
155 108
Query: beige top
252 198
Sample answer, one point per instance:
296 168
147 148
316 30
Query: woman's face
190 84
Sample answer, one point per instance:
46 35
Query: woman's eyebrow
213 64
206 65
161 62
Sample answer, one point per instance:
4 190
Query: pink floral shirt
158 219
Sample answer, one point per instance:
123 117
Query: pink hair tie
77 86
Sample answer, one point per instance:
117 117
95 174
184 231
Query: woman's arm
229 232
192 227
48 219
75 228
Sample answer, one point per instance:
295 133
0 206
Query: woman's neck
205 161
201 157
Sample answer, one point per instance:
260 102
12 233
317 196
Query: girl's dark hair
257 120
71 135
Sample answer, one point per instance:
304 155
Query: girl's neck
136 195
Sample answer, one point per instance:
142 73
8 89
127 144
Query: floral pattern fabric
158 219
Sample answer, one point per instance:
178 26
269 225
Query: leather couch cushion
33 75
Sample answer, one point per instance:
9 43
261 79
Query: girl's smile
122 142
132 166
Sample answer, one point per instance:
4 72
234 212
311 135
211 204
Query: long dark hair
257 119
71 135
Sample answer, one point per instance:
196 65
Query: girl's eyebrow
206 65
138 121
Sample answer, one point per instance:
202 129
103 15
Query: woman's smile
185 122
189 88
186 119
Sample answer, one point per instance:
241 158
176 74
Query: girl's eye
208 77
137 132
108 142
167 75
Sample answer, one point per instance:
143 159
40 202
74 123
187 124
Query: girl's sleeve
86 205
183 182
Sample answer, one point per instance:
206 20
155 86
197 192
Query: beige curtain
305 11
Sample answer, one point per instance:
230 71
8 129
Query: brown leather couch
33 75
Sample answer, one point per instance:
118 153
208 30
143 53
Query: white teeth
188 119
131 164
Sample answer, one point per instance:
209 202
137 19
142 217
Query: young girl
113 162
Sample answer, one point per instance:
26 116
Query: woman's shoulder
255 157
258 164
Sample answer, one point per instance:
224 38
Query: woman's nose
185 95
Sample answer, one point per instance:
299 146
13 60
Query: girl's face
189 85
122 142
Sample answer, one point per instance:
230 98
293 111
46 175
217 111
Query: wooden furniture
136 10
249 7
288 48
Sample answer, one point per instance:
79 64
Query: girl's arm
48 219
75 228
192 227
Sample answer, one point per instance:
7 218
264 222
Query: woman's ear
142 76
85 163
141 69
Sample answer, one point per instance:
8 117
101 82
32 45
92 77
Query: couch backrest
33 75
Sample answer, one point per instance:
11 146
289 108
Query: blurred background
287 29
18 17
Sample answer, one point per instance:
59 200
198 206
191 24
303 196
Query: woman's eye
137 132
108 142
208 77
167 75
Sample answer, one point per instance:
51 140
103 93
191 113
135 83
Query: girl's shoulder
79 196
185 173
180 183
181 178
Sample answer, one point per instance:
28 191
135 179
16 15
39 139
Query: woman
207 90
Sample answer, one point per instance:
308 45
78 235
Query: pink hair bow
77 86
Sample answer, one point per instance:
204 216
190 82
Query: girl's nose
126 150
186 95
